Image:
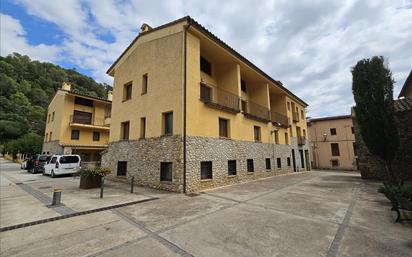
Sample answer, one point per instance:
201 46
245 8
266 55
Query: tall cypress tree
372 89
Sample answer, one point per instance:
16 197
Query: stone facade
143 158
52 147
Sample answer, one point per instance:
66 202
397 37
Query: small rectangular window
353 130
125 126
355 149
276 137
142 127
288 161
48 119
333 131
127 91
75 134
231 167
244 106
144 84
168 123
205 66
96 136
335 163
302 115
268 164
278 163
335 149
46 137
288 106
223 128
256 130
166 171
243 85
121 168
206 170
50 136
286 138
52 119
250 165
205 93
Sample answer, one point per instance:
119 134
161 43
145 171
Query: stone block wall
53 147
144 156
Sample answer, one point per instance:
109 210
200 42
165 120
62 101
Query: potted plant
92 177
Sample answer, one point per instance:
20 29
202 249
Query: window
205 66
355 149
205 93
82 117
48 119
52 117
333 132
244 105
243 85
45 138
125 126
75 134
166 171
96 136
144 84
69 159
127 91
250 166
288 106
231 167
256 131
335 163
268 164
276 137
353 130
142 127
206 170
168 123
278 163
288 161
286 138
83 101
223 128
50 136
304 133
121 168
53 160
335 149
302 115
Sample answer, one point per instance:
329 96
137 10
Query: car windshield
44 158
69 159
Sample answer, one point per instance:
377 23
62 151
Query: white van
62 164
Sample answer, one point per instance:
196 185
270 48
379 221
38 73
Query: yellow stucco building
189 113
78 124
333 143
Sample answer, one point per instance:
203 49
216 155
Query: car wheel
53 175
44 173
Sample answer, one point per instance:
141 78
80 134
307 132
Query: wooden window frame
73 133
227 133
335 151
126 95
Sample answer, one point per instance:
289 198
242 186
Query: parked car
62 164
23 164
36 163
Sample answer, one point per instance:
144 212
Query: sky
309 45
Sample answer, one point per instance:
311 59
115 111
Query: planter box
90 182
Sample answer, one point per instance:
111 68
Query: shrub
392 191
96 171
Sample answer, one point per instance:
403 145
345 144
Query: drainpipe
184 105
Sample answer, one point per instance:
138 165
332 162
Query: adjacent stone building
372 167
190 113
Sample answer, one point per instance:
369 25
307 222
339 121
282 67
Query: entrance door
293 160
302 160
307 160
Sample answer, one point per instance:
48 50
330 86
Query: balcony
301 140
295 116
279 119
255 111
218 98
88 122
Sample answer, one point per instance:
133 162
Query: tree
372 88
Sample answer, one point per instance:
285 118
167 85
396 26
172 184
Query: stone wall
53 147
219 151
143 158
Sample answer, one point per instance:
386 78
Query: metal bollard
101 186
57 196
132 186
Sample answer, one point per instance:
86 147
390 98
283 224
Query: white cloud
309 45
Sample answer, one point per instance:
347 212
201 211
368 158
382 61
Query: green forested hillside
26 88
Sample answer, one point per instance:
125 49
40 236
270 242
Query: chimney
66 86
109 95
145 28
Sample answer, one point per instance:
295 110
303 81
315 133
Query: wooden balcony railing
78 119
218 98
257 112
295 116
301 140
280 119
